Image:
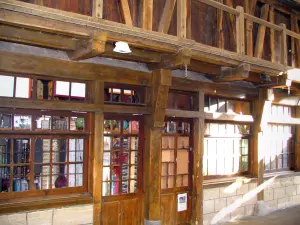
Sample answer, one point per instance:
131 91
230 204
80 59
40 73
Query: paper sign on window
181 202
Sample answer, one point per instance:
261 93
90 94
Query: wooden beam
90 48
295 43
228 117
189 19
165 20
146 14
97 8
228 7
182 57
232 23
220 35
283 46
126 12
197 176
161 82
233 74
272 35
297 141
43 66
250 6
182 113
181 18
260 38
240 31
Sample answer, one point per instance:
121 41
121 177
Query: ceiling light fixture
122 47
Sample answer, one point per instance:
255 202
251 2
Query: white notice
181 202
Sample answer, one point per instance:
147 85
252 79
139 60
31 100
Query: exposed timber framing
182 57
126 12
272 34
74 25
260 38
220 35
295 43
90 48
181 18
233 74
97 8
250 8
44 66
161 82
146 12
165 20
240 31
297 141
283 46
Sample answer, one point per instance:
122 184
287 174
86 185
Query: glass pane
78 90
133 172
163 182
62 88
127 96
183 142
5 121
168 142
185 181
133 186
115 173
42 177
134 143
168 156
23 87
105 188
60 123
126 126
106 159
171 169
285 160
42 150
43 122
59 148
107 143
115 188
125 172
76 147
6 86
77 123
134 127
79 179
179 181
106 174
59 177
4 179
222 105
213 106
125 186
244 146
22 122
182 162
115 158
126 143
5 145
244 163
112 126
170 181
171 127
134 157
164 169
280 161
21 178
21 150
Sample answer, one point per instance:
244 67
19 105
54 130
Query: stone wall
75 215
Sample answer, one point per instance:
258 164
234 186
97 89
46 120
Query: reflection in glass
42 177
77 123
42 150
4 179
23 87
78 90
22 122
21 150
5 145
43 122
60 123
21 178
6 86
5 120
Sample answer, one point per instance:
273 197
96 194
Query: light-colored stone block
81 214
220 204
40 217
298 189
13 219
269 195
208 206
272 204
297 180
249 210
296 199
244 189
284 202
291 190
287 181
207 218
225 192
211 193
232 199
279 193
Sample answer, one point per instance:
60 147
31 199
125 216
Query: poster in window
181 202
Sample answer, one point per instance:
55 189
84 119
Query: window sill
228 180
281 174
43 202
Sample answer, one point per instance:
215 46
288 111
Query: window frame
34 134
194 95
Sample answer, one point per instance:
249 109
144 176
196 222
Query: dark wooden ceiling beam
233 74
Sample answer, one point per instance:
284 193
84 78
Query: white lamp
122 47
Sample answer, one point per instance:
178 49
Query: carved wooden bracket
234 74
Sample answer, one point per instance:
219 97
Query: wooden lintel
44 66
90 48
233 74
261 32
181 58
165 20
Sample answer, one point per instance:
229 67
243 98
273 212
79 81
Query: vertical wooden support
39 2
146 12
165 20
197 194
232 23
98 153
260 38
125 11
181 18
295 43
272 34
161 82
220 36
240 31
262 109
297 147
97 9
283 46
250 8
189 19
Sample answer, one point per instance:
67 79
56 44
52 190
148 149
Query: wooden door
122 167
176 170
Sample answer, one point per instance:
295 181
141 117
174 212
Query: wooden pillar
262 109
283 46
250 8
297 141
181 18
161 81
272 34
197 194
146 12
220 36
98 90
240 31
261 33
97 8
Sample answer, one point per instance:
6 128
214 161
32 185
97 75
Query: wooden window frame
194 95
139 151
190 151
33 134
247 137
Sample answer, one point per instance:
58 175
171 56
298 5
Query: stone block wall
217 198
283 192
75 215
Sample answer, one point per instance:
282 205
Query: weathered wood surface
233 74
165 20
297 141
